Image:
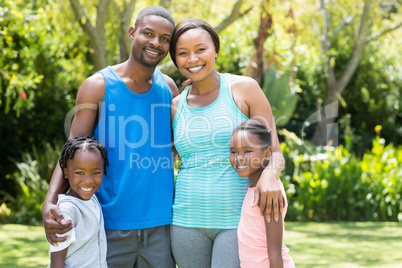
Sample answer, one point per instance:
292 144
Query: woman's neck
207 85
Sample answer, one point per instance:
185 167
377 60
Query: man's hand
54 224
268 194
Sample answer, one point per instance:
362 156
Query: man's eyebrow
152 30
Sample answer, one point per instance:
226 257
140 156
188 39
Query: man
127 108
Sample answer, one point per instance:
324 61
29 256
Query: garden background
330 69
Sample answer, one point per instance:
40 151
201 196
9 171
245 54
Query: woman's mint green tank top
208 193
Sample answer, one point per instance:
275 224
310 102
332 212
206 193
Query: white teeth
154 53
86 189
241 166
194 69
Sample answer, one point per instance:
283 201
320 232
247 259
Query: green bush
339 186
34 173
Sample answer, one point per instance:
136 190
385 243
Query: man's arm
88 104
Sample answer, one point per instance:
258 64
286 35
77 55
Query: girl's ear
267 156
65 173
268 152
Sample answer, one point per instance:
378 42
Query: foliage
283 101
32 177
44 57
375 89
339 186
43 62
373 94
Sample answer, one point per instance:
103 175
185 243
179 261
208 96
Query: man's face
151 40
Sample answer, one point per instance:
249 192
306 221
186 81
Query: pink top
252 236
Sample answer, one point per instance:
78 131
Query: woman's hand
268 194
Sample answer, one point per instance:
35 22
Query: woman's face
195 54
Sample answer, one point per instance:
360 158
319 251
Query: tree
96 32
338 77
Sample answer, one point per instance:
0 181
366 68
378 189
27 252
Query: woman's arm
251 100
173 111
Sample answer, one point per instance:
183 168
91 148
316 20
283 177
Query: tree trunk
96 35
124 39
335 86
264 31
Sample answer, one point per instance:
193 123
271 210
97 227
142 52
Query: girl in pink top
260 241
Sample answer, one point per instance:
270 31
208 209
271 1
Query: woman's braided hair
82 143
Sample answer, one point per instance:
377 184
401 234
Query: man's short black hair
154 10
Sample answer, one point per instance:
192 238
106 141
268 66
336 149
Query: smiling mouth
86 189
152 53
242 167
195 69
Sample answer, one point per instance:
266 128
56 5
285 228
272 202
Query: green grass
23 246
357 244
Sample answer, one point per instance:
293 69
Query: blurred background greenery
306 55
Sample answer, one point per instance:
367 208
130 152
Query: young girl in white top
260 241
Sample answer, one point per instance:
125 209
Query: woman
209 193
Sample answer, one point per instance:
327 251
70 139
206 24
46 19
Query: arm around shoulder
89 99
172 85
255 104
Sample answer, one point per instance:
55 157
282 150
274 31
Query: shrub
34 173
338 186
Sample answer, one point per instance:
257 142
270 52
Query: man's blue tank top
137 191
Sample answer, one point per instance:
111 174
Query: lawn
311 245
